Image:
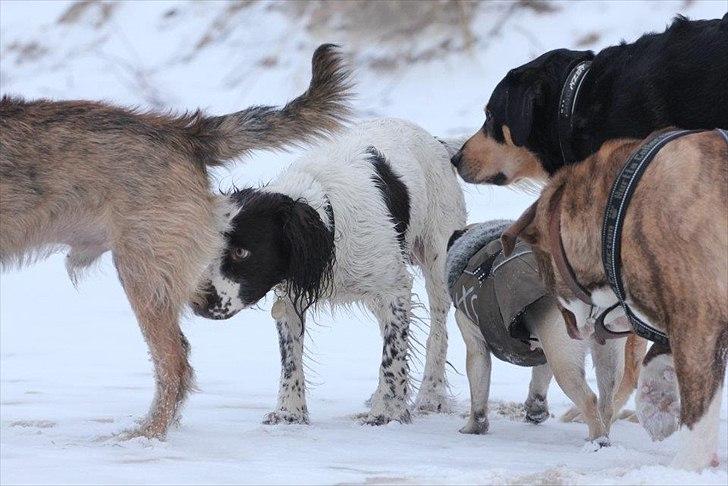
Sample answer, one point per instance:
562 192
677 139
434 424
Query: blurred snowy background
73 365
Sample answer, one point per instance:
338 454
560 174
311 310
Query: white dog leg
477 367
566 359
433 395
609 363
291 407
389 401
658 398
536 405
699 443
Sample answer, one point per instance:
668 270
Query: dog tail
320 110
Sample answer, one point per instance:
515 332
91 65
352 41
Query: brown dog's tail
321 109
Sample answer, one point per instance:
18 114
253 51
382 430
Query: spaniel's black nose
455 160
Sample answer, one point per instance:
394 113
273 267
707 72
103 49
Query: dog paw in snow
658 398
596 444
434 402
537 409
477 425
285 417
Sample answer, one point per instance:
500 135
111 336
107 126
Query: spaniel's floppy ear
311 253
510 235
524 93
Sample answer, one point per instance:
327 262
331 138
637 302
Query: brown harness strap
601 331
559 254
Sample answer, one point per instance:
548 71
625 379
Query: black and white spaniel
342 226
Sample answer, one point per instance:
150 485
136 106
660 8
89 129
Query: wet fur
93 178
395 200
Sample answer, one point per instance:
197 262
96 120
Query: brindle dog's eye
239 253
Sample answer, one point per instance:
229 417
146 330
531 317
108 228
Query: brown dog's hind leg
700 361
168 347
174 376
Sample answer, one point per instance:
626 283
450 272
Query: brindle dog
96 178
674 261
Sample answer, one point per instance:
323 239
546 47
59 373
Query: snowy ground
73 366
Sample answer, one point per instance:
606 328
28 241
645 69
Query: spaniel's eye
240 253
488 114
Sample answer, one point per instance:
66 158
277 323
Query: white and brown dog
503 309
341 226
674 262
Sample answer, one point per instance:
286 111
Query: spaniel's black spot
394 193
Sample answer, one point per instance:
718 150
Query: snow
74 369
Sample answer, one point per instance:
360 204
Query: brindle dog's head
509 147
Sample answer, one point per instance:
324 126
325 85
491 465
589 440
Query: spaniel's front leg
291 407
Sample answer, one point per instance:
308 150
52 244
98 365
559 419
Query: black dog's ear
311 254
523 92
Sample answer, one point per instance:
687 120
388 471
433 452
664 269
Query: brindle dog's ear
523 93
509 236
572 329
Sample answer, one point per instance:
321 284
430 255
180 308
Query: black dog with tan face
561 107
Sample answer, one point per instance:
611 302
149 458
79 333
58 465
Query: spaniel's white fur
371 262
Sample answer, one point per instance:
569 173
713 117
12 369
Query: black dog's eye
239 254
488 114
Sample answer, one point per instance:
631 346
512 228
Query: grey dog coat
494 292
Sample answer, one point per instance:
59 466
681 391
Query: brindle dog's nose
456 159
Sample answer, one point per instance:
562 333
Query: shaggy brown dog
98 178
674 261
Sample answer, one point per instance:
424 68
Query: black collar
567 102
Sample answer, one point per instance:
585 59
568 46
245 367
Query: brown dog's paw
572 415
145 430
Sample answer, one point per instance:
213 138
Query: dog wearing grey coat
564 357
